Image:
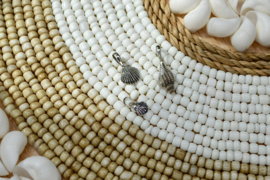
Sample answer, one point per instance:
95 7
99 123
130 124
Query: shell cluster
12 145
244 21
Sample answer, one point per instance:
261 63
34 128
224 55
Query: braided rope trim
193 46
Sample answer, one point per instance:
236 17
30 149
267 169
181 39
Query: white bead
197 127
184 145
230 156
162 124
155 131
211 91
188 125
179 132
176 141
169 138
111 99
162 134
206 141
198 139
189 135
200 149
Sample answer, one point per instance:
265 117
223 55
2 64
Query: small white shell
197 18
11 147
222 9
219 27
256 5
262 23
3 171
236 5
4 124
183 6
37 167
244 36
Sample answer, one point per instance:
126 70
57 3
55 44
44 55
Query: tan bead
244 168
168 171
177 164
253 169
225 175
150 152
209 174
143 160
171 149
262 170
235 166
180 154
149 174
233 174
193 170
251 177
102 173
187 177
242 176
136 145
209 164
201 172
127 163
201 162
88 162
185 167
151 164
143 149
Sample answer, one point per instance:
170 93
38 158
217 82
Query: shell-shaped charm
140 107
129 75
166 78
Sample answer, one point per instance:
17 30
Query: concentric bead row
218 134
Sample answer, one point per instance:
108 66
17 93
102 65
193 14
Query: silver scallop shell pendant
166 78
139 107
129 75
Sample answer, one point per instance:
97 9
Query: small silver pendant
139 107
166 78
129 75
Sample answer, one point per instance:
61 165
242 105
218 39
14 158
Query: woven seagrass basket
214 52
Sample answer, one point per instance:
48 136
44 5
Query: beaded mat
62 88
207 50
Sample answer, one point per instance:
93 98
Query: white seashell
262 23
236 5
256 5
183 6
219 27
197 18
4 124
11 147
4 178
3 171
244 36
37 167
222 9
15 177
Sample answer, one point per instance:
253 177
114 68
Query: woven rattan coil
70 123
197 48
